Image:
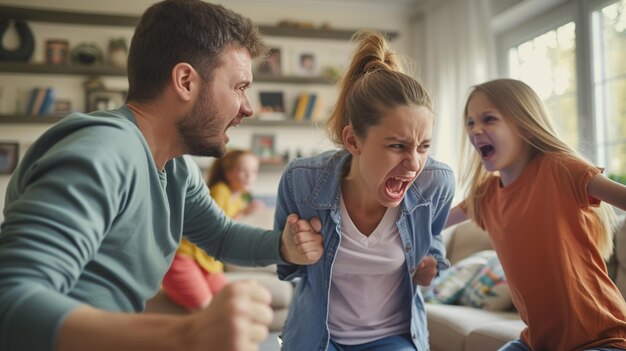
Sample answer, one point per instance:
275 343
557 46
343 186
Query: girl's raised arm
457 215
607 190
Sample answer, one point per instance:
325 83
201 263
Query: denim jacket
311 187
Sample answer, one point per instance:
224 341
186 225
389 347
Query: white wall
353 15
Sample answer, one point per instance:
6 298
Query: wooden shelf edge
39 68
266 78
107 19
256 122
51 119
25 119
315 33
58 16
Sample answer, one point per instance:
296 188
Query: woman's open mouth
395 187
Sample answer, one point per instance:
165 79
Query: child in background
382 202
541 204
230 181
195 277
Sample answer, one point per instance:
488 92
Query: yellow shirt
231 207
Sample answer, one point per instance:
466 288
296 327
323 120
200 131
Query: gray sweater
90 219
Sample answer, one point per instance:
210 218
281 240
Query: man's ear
350 140
185 81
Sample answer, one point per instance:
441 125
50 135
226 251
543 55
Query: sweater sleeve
229 241
60 202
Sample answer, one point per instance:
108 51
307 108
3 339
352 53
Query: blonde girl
546 211
195 277
231 180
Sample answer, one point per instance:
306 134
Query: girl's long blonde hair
523 109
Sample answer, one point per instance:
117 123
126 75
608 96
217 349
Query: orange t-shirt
544 231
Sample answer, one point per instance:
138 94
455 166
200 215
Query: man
96 209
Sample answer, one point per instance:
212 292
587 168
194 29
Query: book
310 107
301 105
37 98
48 102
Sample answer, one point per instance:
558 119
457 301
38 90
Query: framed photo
104 99
271 64
57 52
62 106
272 105
263 146
9 156
306 63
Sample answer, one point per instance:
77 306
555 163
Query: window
548 64
573 57
608 27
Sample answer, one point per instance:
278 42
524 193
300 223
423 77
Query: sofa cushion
449 325
449 285
488 289
471 239
492 336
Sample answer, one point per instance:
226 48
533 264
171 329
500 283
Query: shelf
266 78
51 119
57 16
101 70
36 68
255 122
24 119
271 166
312 33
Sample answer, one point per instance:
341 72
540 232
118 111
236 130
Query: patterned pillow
488 289
448 287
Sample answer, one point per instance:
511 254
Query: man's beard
200 131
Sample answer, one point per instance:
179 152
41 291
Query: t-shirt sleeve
579 174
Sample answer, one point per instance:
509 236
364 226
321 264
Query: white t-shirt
367 299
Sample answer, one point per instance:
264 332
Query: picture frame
9 156
306 63
263 145
101 99
272 63
57 52
272 105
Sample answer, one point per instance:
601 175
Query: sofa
281 291
464 328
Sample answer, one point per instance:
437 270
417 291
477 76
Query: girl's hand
426 271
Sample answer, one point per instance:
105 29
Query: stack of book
306 107
41 102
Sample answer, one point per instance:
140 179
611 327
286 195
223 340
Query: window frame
579 12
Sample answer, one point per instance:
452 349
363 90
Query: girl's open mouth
486 151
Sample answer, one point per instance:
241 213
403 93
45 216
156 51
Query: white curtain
455 50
